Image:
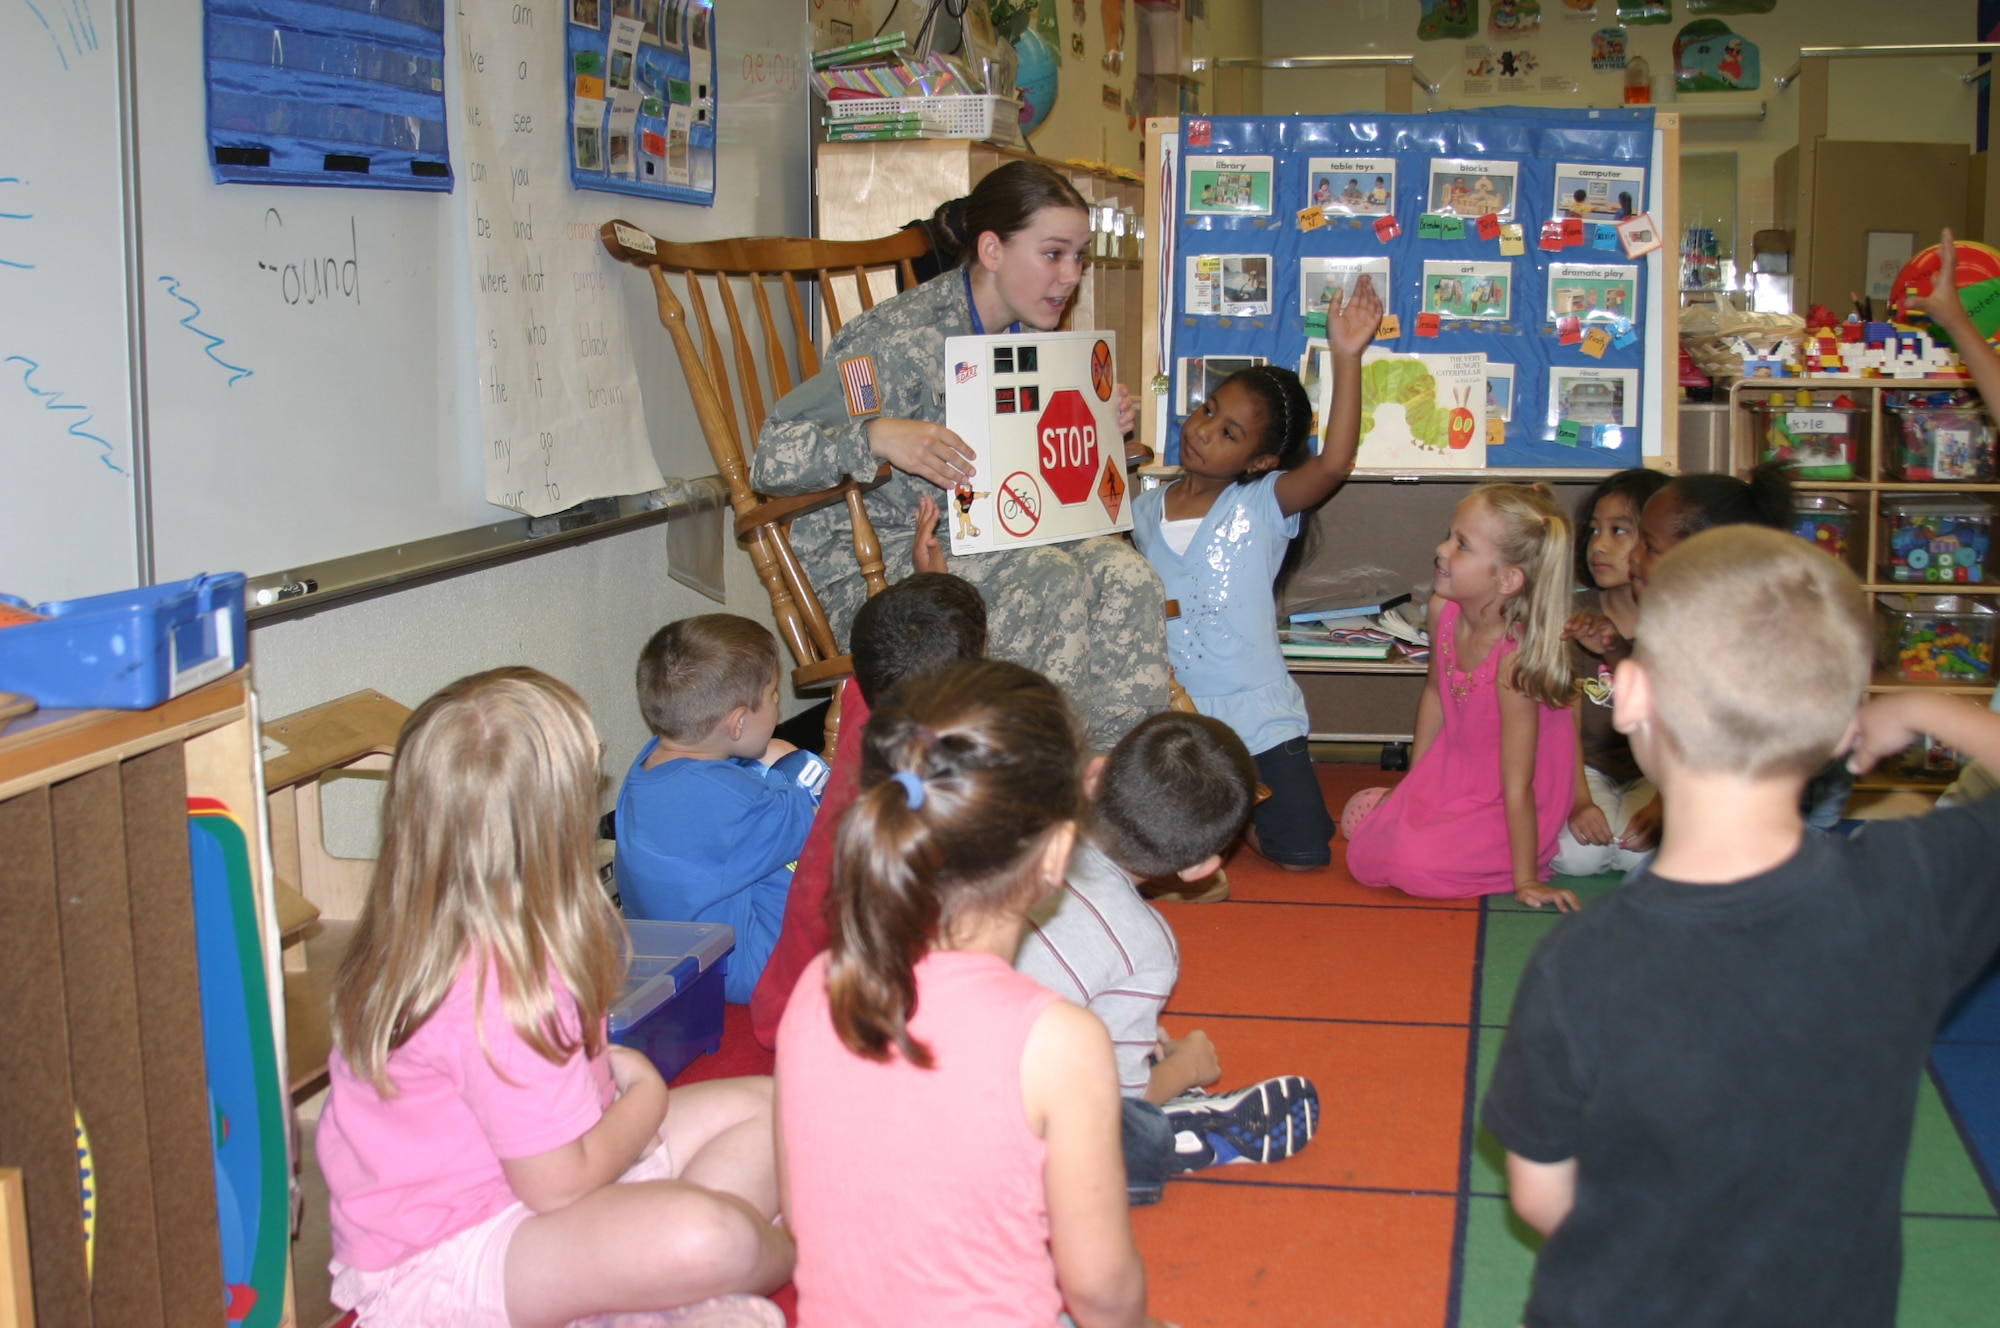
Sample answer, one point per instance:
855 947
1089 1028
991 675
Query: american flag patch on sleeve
858 376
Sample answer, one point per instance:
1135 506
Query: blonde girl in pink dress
1494 764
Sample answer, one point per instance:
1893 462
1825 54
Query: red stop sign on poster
1066 447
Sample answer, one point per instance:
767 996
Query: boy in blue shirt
715 810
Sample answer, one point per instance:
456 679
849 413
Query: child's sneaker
1265 1122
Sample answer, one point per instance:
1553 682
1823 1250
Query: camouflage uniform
1089 614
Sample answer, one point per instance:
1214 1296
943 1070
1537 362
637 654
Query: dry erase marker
289 590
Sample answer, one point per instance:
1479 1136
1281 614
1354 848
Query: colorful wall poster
1601 293
1039 411
1607 50
1228 186
1472 187
1351 186
1592 407
1708 57
1229 285
642 101
1447 20
1468 290
1320 277
1515 18
1200 375
1601 193
1422 412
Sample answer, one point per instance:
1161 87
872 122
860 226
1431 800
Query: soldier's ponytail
964 776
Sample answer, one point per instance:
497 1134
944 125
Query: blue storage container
130 650
671 1008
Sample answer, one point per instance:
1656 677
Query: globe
1040 66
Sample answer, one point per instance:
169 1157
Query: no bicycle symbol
1019 505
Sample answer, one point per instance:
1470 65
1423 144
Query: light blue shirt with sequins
1224 645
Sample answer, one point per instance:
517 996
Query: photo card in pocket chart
1422 412
1229 186
1599 193
1593 292
1472 187
1229 285
1592 407
1477 291
1320 277
1039 410
1199 376
1351 186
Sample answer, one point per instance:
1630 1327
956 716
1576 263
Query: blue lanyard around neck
978 324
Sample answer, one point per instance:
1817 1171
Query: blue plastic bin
671 1008
130 650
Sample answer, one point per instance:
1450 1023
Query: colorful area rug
1397 1215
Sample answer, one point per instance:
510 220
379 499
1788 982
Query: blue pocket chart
641 97
327 92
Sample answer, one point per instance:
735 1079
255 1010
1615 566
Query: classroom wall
580 612
1895 100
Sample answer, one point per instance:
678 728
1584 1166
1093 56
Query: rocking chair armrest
773 510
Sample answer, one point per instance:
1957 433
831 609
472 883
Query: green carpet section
1951 1231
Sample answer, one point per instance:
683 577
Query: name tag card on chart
1039 411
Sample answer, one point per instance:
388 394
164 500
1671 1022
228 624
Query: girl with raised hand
1493 770
492 1162
949 1128
1218 538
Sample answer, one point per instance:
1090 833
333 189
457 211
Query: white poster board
1422 412
1040 413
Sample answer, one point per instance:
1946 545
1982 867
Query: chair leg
833 722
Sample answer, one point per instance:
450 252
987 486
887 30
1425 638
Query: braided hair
1287 412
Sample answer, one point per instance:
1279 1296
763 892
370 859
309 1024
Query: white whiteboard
323 400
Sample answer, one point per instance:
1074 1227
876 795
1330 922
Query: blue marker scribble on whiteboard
236 371
15 216
53 401
78 19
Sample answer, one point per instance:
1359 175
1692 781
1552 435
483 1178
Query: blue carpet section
1965 1060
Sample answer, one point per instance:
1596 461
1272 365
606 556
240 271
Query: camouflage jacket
886 363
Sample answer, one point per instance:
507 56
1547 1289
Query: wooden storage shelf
104 1015
1867 554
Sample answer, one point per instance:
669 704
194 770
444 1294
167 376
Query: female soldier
1089 614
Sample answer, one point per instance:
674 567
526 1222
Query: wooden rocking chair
723 272
717 273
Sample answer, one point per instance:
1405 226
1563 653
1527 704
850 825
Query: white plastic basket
943 117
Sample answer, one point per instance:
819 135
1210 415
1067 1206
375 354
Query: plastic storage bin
1824 522
1935 444
1937 638
671 1008
1936 540
1818 442
127 651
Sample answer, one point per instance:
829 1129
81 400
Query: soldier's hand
918 447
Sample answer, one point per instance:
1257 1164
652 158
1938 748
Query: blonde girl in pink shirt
478 1125
949 1128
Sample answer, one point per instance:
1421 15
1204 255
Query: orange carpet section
1367 993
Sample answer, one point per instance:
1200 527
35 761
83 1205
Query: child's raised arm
1350 325
1948 312
1888 724
1520 734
